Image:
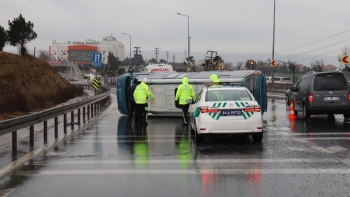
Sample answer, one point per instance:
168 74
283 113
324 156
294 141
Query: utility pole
156 52
211 55
137 51
167 54
211 58
173 58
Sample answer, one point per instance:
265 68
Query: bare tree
247 65
44 55
292 66
213 64
192 67
228 66
239 65
317 65
345 51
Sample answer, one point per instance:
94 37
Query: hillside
29 84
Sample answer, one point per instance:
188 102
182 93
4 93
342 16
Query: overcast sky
305 30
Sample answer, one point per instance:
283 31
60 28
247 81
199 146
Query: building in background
80 52
329 68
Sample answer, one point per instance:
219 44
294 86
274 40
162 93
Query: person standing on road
140 95
184 92
132 106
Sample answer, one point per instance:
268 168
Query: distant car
321 93
276 79
268 79
285 80
225 110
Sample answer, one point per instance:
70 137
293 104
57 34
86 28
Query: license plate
231 112
331 98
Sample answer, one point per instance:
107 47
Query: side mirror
293 89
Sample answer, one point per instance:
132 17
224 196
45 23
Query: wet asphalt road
113 157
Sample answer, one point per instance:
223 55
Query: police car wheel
192 130
198 138
257 137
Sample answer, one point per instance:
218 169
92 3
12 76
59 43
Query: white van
90 78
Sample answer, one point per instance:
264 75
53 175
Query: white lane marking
323 150
126 141
301 149
6 192
135 136
53 153
315 134
346 161
171 136
214 161
301 140
335 149
304 139
284 128
190 172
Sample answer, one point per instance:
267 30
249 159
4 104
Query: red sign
273 63
344 59
160 70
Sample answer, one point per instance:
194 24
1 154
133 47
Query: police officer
214 78
184 92
140 95
132 106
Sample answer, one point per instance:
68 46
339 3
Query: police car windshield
228 95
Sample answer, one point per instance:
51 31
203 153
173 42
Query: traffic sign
95 83
273 63
344 59
64 62
96 59
221 66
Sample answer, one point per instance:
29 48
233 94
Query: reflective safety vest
141 93
184 92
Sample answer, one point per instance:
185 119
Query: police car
220 109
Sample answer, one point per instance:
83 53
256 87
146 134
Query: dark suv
321 93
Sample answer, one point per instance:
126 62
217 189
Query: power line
318 55
264 54
341 42
313 42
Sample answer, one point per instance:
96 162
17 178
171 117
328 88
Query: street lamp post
273 40
188 36
130 47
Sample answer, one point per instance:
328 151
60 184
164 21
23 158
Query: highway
113 157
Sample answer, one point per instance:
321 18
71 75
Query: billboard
80 55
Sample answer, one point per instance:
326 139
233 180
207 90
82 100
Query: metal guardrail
14 124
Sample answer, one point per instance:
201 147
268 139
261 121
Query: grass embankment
29 84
